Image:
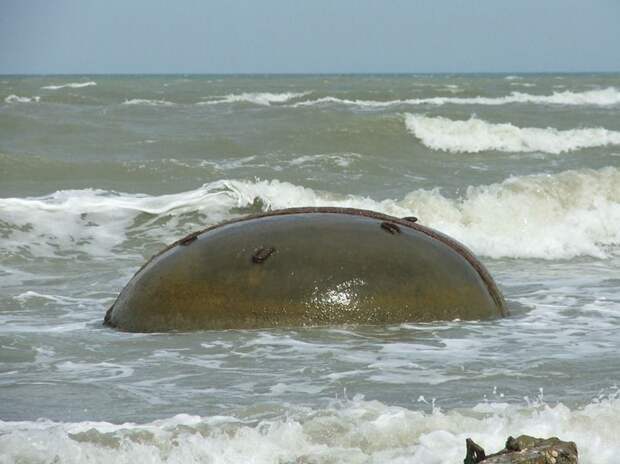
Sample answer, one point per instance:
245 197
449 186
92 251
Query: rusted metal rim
405 222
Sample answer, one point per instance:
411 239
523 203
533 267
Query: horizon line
369 73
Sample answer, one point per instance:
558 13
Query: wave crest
352 431
598 97
475 135
558 216
18 99
71 85
256 98
148 102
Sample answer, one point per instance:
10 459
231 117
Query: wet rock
525 450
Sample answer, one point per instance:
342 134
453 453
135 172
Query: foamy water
602 97
70 85
17 99
475 135
495 220
146 101
350 432
94 179
257 98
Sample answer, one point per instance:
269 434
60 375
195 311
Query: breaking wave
256 98
600 97
342 160
18 99
259 98
145 101
352 431
522 84
547 216
475 135
71 85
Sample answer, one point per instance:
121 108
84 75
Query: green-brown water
97 173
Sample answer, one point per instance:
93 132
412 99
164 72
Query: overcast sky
308 36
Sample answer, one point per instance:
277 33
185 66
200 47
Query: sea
99 172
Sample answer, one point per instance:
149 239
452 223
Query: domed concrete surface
307 266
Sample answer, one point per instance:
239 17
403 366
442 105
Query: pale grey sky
314 36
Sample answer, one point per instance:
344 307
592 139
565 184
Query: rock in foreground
525 450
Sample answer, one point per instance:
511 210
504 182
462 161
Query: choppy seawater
97 173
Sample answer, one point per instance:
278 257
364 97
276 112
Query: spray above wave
256 98
602 97
350 432
475 135
521 217
71 85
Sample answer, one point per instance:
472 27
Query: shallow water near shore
97 173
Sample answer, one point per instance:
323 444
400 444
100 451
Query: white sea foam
453 88
256 98
342 160
557 216
355 431
344 101
145 101
18 99
600 97
56 299
475 135
522 84
71 85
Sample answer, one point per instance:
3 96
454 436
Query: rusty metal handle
262 254
390 227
